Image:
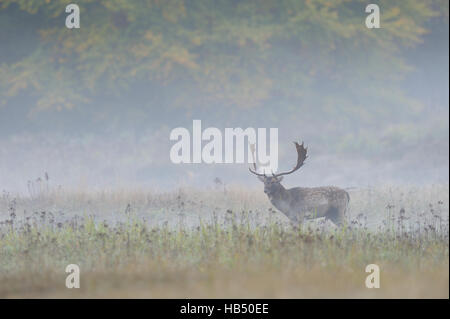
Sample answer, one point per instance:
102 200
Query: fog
119 139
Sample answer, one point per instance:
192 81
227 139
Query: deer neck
278 197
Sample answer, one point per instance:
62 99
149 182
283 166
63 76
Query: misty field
221 242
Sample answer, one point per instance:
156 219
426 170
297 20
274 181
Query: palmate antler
252 148
301 157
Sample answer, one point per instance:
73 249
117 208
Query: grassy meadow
221 243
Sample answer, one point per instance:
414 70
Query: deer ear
261 178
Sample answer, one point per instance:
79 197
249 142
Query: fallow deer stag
301 203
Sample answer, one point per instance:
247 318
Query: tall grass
228 252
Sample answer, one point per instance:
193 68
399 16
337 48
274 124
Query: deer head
272 183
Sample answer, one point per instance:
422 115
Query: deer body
300 203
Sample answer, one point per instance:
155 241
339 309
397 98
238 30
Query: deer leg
334 215
300 218
297 219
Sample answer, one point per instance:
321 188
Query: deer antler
301 156
252 148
